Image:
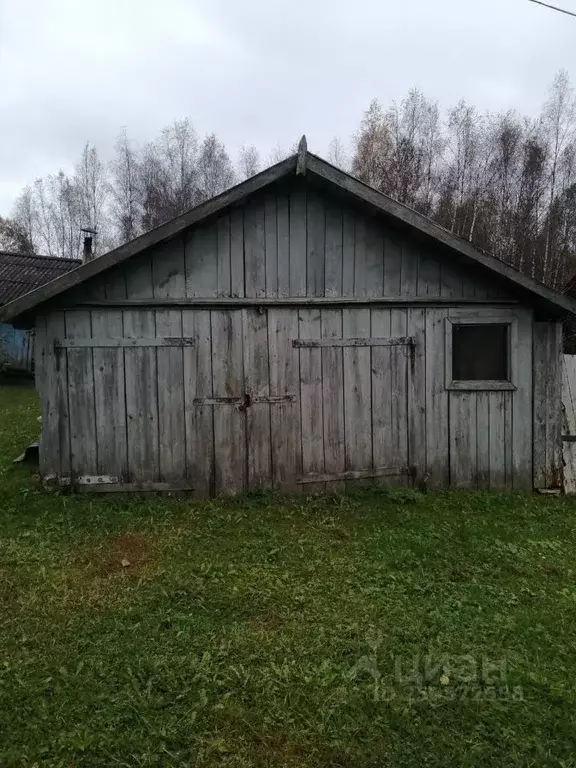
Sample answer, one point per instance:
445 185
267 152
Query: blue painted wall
16 348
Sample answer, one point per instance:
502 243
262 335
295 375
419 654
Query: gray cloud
252 71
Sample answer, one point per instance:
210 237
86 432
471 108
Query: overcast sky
253 71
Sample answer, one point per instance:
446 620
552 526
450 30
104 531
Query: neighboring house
299 331
20 274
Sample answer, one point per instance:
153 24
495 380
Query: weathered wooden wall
322 414
237 405
298 243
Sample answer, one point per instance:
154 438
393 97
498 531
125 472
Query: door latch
246 402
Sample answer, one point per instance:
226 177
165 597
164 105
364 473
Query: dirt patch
128 553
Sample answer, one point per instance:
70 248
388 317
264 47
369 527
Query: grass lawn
368 630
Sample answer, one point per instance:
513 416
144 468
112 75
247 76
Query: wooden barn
299 331
19 274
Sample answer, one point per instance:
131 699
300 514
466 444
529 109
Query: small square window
480 352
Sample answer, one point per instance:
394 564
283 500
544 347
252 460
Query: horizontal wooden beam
290 301
481 386
244 401
356 342
158 341
112 484
362 474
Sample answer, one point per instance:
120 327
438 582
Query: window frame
508 384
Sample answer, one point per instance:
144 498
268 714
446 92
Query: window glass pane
480 352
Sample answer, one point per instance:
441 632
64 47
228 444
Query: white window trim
505 385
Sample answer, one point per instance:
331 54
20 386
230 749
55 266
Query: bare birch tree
249 163
126 207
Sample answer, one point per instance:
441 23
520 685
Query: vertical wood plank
315 244
483 426
392 265
141 381
498 439
115 282
437 444
283 227
508 443
428 274
348 237
298 278
471 285
224 280
312 417
399 363
381 370
94 289
257 384
463 448
333 268
547 388
229 421
569 421
374 258
201 254
522 406
357 392
55 436
271 245
138 277
169 282
417 392
450 280
110 382
540 357
109 395
199 418
409 269
554 468
286 446
360 244
83 442
254 249
333 399
167 272
40 350
236 252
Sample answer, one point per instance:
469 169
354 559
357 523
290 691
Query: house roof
22 273
329 176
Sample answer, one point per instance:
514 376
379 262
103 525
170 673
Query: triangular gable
534 292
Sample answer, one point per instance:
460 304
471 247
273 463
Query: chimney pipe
87 249
87 254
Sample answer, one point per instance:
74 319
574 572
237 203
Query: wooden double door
297 398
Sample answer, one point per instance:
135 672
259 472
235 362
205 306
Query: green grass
269 631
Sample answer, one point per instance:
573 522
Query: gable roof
21 273
302 163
